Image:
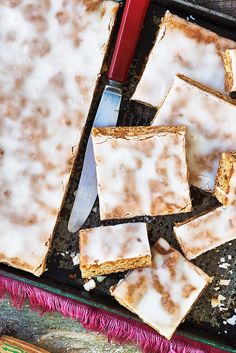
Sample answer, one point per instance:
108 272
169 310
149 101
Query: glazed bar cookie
207 231
225 184
110 249
53 53
229 57
210 120
182 47
141 171
162 295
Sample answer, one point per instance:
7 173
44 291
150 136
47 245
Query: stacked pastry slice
46 91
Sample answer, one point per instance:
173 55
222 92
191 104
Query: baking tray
203 323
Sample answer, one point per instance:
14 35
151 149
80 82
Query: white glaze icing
50 55
231 194
112 243
162 295
182 47
211 128
143 174
207 231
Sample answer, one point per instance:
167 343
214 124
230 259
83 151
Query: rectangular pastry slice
141 171
52 54
162 295
207 231
225 184
182 47
110 249
229 57
210 120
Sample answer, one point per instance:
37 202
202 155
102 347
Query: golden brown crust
192 30
224 173
207 89
15 262
132 132
121 265
228 70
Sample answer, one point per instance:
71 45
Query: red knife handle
130 27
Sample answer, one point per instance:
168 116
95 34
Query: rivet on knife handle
108 109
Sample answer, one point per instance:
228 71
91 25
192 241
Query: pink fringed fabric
113 326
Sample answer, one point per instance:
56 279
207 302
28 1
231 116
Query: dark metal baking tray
203 323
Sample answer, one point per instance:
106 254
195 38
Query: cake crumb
217 301
91 284
232 320
76 259
101 278
224 282
229 257
222 259
224 265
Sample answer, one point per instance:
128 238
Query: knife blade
86 194
108 109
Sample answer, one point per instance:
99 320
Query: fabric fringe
113 326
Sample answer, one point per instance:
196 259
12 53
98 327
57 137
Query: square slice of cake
210 120
141 171
229 57
186 48
207 231
110 249
225 184
163 294
50 57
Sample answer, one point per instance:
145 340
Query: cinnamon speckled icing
141 171
207 231
186 48
162 295
112 243
50 55
231 190
210 122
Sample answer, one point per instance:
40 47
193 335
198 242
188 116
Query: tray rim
60 291
204 12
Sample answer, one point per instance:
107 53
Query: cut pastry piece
210 120
186 48
162 295
141 171
225 184
206 231
229 57
46 87
112 249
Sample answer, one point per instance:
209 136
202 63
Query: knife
108 109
